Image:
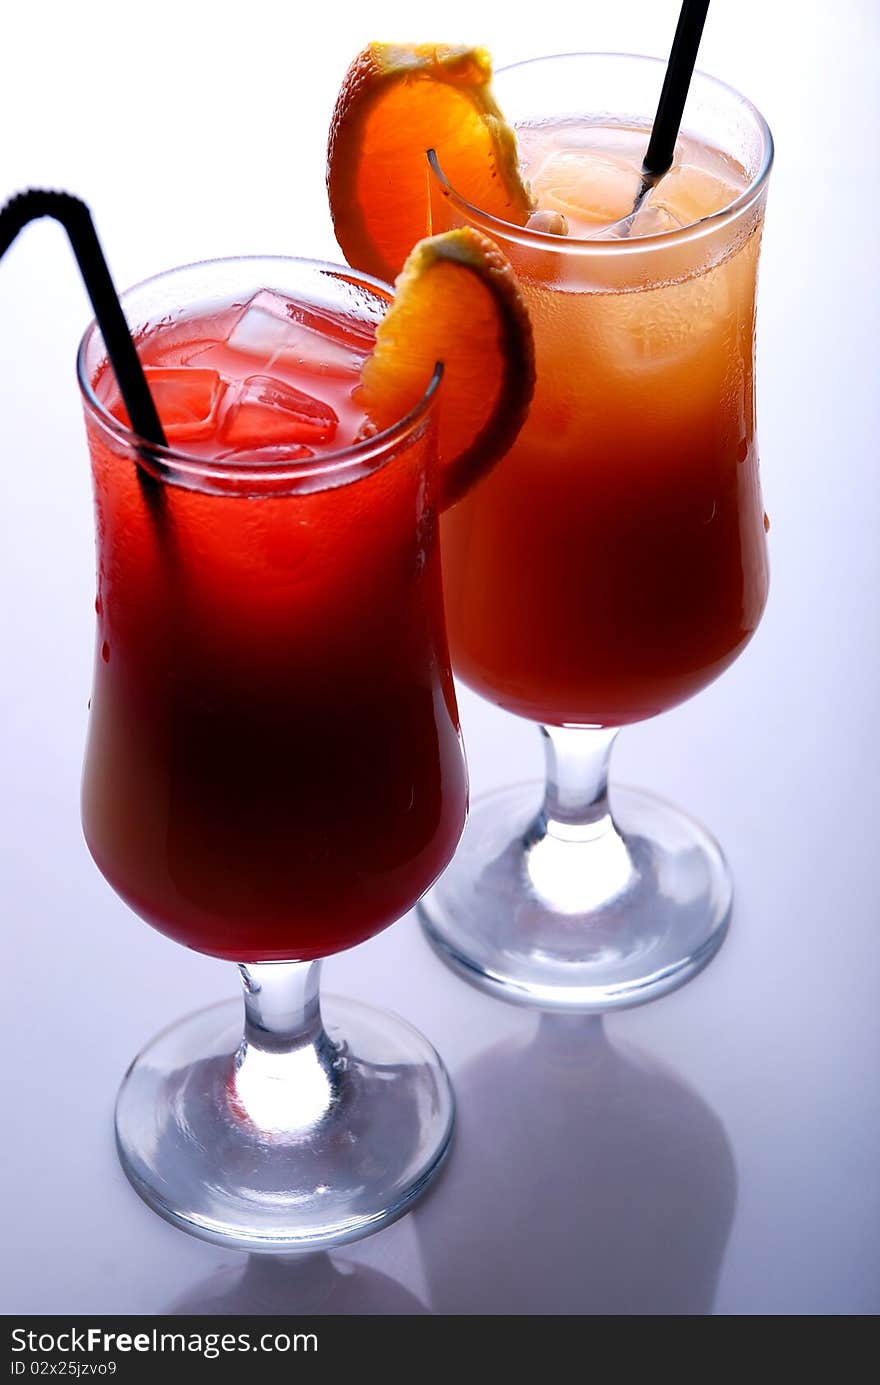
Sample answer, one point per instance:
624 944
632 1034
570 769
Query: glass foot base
285 1175
578 925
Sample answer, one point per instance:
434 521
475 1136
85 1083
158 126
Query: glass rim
586 246
175 461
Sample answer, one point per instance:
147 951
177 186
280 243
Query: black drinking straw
76 219
670 107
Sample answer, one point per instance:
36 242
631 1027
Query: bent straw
670 107
76 219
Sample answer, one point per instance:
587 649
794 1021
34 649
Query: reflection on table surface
585 1178
281 1285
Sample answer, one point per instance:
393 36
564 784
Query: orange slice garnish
398 101
456 301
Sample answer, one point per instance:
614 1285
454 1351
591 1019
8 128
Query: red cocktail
274 769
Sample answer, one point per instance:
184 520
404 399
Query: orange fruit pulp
396 102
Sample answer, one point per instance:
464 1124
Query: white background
596 1183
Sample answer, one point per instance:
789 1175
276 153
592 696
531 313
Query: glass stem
287 1072
575 806
575 857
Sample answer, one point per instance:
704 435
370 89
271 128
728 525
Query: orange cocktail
614 564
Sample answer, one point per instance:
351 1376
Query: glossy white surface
714 1151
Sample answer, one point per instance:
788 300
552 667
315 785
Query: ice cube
269 456
265 412
689 193
654 219
322 346
187 400
280 332
661 329
588 188
354 334
261 328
